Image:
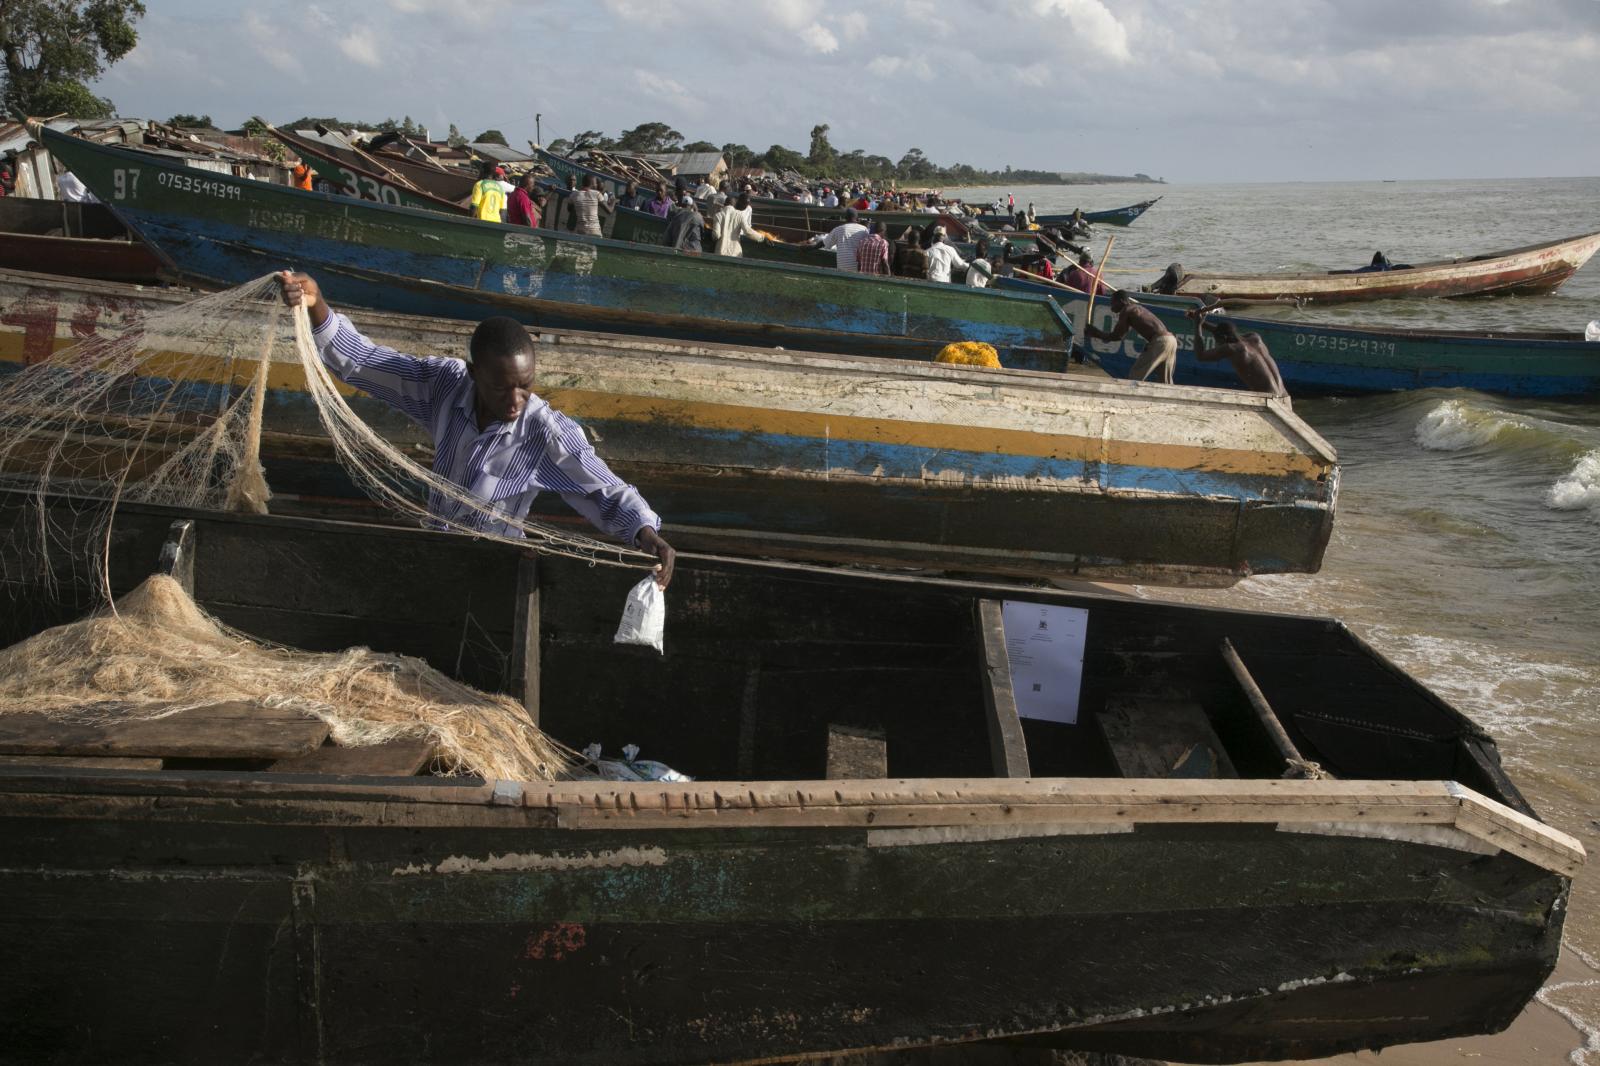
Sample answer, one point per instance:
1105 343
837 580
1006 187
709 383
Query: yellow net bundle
969 353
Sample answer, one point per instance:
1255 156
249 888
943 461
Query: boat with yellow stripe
842 458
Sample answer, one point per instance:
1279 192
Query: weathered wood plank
222 731
523 667
1163 738
394 758
56 762
1007 745
857 752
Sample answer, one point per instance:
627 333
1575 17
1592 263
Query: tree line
50 50
823 160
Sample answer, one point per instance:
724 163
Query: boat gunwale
911 803
1289 425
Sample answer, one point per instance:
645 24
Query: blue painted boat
1327 359
224 230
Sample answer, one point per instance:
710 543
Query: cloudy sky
1222 90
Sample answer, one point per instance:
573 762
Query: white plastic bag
630 767
644 616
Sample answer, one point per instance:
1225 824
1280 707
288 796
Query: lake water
1467 542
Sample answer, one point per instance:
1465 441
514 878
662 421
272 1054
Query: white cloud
269 45
1093 25
852 25
1034 76
362 47
819 38
668 90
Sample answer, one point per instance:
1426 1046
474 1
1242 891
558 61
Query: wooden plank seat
1162 738
218 731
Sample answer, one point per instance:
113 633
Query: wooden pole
1088 315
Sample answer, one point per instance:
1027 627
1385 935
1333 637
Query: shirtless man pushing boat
1248 353
1160 346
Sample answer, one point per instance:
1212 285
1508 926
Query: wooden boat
223 230
846 459
641 227
74 240
1316 358
796 221
1116 216
563 168
357 173
879 849
1534 268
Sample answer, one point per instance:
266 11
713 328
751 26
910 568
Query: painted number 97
125 184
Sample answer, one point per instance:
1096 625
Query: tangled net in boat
171 410
158 654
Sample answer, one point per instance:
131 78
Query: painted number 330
125 184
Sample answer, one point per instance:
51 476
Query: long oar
1088 316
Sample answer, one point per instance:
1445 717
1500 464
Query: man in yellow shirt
489 196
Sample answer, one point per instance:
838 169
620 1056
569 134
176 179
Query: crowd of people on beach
706 218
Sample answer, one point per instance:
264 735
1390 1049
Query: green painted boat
224 230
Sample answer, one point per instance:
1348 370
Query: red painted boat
73 240
1533 269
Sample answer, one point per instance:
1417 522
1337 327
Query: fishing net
157 654
170 410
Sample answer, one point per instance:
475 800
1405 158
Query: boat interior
771 671
23 215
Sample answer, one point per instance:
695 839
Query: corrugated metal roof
14 136
687 162
499 152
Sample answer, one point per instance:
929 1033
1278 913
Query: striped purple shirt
506 465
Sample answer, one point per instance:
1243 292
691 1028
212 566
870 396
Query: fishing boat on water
223 231
1323 358
848 460
1116 216
77 240
1534 268
892 839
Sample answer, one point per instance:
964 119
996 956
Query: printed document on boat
1044 644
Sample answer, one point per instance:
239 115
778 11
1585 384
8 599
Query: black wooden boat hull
218 913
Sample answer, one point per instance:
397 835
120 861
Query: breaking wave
1453 426
1580 488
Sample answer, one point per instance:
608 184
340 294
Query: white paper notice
1045 646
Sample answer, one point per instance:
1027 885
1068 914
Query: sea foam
1452 426
1580 488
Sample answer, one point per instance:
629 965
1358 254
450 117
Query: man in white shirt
72 190
705 190
842 239
980 272
829 199
943 259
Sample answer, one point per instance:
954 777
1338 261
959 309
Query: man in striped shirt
492 436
